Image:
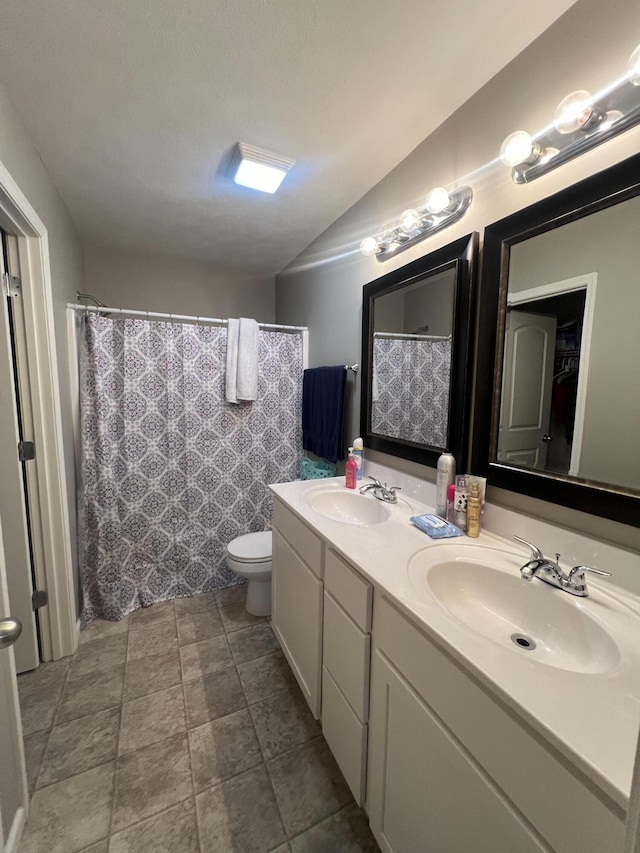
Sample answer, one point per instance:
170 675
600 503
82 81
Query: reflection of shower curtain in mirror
412 378
171 472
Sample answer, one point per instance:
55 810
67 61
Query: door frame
587 282
18 217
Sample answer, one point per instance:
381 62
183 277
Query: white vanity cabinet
297 600
443 752
321 615
348 599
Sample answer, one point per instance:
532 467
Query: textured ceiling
134 106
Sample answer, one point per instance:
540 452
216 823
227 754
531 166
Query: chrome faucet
381 492
550 572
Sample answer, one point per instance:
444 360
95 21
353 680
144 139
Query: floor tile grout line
75 775
149 816
51 728
266 767
115 763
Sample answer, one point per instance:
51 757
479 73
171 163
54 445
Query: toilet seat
251 548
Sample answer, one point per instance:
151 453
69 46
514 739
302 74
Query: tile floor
181 728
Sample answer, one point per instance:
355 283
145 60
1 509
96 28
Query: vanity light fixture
580 122
442 208
257 168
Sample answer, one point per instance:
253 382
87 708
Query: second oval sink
348 507
482 588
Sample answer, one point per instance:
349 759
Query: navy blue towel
323 411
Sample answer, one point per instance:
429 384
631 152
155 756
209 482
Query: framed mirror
416 356
557 402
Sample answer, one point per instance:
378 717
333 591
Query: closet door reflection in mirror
570 378
412 332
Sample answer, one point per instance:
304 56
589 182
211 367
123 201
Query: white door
13 506
13 778
527 381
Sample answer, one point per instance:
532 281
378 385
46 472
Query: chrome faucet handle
580 570
375 482
536 553
393 489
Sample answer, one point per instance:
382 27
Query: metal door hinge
11 284
26 451
39 599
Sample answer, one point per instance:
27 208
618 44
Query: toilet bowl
250 557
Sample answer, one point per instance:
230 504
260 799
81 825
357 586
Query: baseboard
15 834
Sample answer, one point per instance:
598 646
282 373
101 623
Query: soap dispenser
350 471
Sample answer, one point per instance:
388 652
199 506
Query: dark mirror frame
460 256
602 190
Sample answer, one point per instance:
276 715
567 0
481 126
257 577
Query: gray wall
24 165
605 243
153 282
428 303
322 288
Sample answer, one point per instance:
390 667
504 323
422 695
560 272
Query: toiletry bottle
350 471
445 475
473 511
460 502
358 455
451 500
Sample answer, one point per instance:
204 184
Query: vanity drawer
346 655
354 593
346 736
551 792
297 534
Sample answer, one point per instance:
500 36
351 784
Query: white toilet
250 557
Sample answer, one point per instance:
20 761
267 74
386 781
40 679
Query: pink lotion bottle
351 472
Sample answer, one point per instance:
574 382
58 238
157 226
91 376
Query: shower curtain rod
411 337
102 309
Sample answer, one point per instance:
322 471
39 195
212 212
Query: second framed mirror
416 355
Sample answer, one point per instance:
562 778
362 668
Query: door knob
547 438
10 630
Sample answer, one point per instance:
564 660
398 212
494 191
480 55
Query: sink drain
523 642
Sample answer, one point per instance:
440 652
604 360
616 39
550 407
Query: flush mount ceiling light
580 122
441 210
257 168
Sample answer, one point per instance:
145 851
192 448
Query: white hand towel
248 343
231 378
375 388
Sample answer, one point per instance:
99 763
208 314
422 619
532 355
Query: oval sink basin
348 507
482 588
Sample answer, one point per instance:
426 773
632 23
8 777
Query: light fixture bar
524 174
415 227
581 122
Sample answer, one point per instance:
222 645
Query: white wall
165 283
586 48
24 165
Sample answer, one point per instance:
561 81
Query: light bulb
437 200
517 148
573 112
633 67
410 221
387 235
369 246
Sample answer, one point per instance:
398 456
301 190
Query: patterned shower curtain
413 378
171 472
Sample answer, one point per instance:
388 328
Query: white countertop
592 719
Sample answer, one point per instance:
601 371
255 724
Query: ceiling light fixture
580 122
257 168
442 208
